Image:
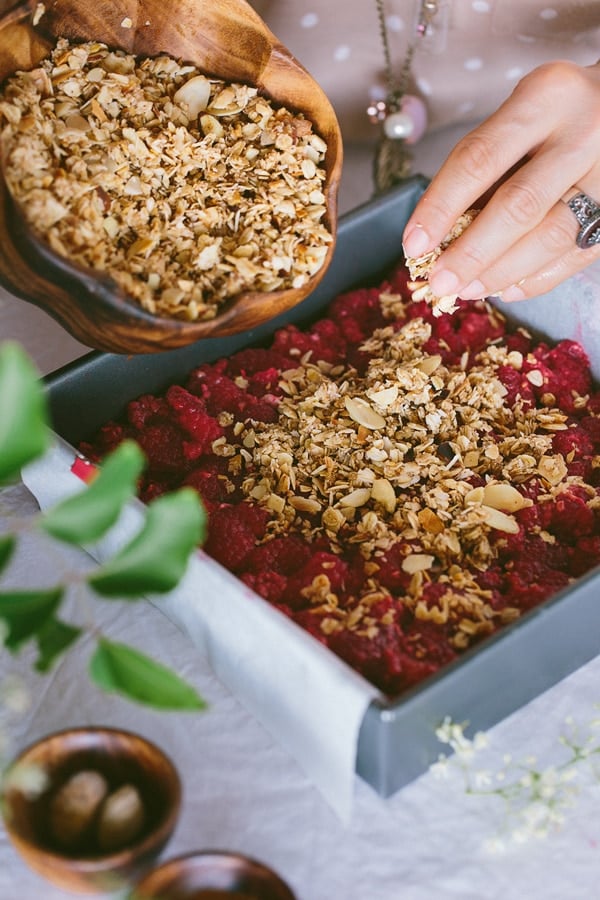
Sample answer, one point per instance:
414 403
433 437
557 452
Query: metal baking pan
397 739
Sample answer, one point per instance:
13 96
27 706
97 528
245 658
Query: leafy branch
153 561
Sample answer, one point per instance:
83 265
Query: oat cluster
388 458
421 266
186 189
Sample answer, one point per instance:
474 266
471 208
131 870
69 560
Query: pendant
401 129
409 122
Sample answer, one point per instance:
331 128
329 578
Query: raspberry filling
401 485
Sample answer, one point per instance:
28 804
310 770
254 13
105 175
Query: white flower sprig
535 798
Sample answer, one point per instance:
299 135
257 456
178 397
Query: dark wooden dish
210 874
224 38
121 757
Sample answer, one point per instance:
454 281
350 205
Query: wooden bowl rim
180 863
121 858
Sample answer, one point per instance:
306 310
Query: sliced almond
504 496
535 377
417 562
194 95
384 493
429 364
363 414
356 498
474 497
499 520
305 504
385 396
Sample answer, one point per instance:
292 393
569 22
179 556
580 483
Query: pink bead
415 109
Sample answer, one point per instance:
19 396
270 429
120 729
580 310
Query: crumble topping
400 484
420 268
186 189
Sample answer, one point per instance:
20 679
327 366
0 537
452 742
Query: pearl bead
398 126
416 110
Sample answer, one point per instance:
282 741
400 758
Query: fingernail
513 293
416 242
473 291
444 282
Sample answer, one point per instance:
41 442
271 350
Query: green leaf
7 545
52 640
24 433
155 560
89 514
26 612
118 668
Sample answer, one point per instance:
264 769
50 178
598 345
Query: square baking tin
397 738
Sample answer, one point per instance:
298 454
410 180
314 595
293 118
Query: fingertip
415 240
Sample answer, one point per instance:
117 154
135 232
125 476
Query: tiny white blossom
534 814
441 768
443 732
481 741
520 835
482 778
494 845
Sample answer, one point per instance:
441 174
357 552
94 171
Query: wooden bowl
224 38
122 758
212 874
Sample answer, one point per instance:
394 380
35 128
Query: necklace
403 117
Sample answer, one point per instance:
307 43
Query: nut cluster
187 190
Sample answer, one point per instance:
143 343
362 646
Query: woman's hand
516 166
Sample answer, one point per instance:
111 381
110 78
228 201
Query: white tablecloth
243 792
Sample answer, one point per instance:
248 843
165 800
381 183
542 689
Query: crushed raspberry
527 593
358 314
324 341
574 440
284 554
163 446
572 518
519 389
255 361
147 409
230 539
269 585
190 414
210 482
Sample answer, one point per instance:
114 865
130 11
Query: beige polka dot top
478 53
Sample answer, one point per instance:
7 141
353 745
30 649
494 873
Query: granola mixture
421 266
186 189
401 485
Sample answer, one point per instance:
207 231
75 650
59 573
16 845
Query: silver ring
587 213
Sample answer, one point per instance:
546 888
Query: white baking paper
306 697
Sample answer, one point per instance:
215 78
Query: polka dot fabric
485 48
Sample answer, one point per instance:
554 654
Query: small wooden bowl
211 874
123 758
224 38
